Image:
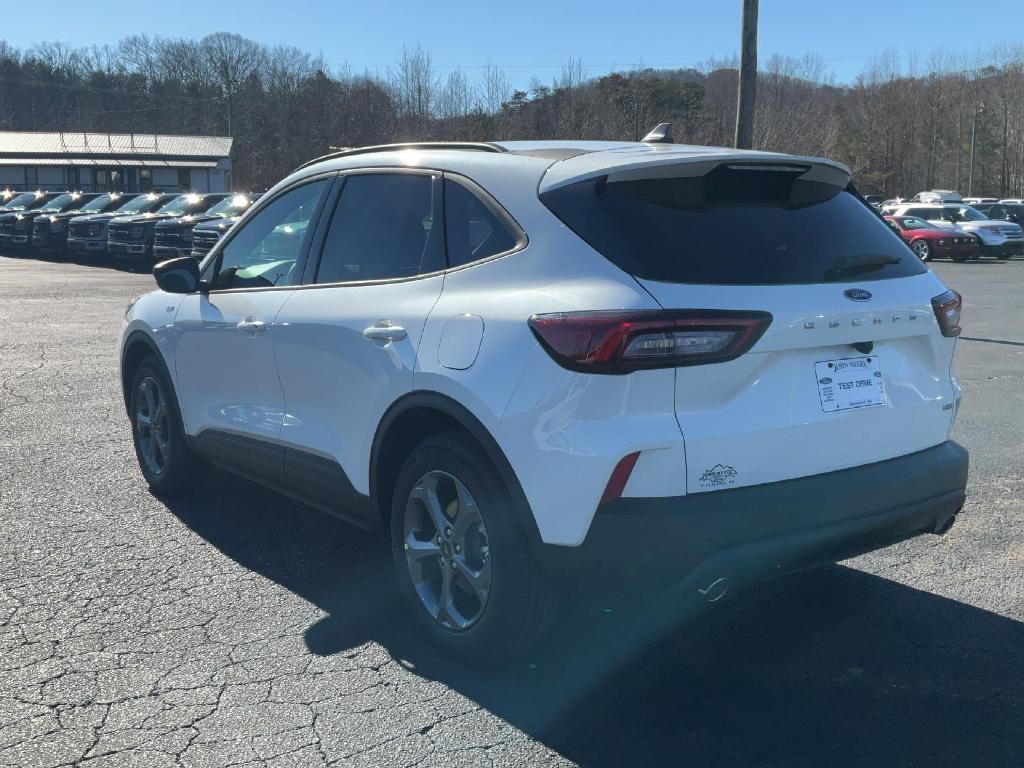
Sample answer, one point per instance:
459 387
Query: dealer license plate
851 382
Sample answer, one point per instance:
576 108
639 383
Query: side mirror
180 275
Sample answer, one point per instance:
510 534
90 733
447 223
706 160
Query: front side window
964 213
264 252
473 231
383 228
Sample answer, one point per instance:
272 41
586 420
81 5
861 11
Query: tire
485 538
1004 256
923 249
167 462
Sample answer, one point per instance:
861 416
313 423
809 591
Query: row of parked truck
140 227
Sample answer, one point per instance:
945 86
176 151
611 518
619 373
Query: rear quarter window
733 227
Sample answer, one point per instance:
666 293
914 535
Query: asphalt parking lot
243 629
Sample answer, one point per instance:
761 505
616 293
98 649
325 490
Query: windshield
140 204
911 222
97 204
181 205
965 213
21 202
732 227
230 206
60 203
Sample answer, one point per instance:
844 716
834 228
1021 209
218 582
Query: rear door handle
252 327
384 331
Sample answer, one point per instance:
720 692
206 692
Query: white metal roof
118 144
106 161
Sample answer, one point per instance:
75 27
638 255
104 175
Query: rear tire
167 462
473 586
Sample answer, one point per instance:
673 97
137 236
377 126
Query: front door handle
384 331
252 327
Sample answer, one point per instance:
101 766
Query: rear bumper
706 543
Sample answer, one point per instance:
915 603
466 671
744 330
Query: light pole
747 95
978 109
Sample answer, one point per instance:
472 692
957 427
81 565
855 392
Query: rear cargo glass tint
733 227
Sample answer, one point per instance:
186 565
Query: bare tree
233 58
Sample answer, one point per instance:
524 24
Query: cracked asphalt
242 629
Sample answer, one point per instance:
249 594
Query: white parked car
528 362
998 238
979 200
1012 201
937 196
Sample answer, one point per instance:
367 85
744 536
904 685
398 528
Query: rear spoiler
665 162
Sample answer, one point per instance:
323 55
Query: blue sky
533 38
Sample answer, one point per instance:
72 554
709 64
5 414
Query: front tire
168 464
462 556
923 249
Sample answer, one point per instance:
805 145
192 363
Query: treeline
901 126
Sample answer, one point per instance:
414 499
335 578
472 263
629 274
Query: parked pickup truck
50 230
174 237
131 237
208 233
15 217
88 234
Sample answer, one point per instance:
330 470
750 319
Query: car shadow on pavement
833 667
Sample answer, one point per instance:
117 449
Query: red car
930 242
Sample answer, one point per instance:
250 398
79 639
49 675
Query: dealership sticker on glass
852 382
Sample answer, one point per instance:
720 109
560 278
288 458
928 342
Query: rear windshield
733 227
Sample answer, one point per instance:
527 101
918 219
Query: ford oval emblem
857 294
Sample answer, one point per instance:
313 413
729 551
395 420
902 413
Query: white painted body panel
761 415
227 379
338 383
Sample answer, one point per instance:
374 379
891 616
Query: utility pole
978 109
747 95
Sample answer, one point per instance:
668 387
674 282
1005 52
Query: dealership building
105 162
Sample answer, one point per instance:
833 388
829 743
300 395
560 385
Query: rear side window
473 230
383 228
733 227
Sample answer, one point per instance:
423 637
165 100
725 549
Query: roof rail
479 146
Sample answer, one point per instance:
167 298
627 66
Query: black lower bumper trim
757 532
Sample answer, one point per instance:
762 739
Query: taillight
947 308
625 341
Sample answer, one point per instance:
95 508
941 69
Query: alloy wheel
922 250
151 423
447 550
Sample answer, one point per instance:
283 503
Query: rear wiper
857 265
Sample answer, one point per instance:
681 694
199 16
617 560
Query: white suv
529 361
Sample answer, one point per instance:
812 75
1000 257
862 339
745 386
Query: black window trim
213 258
313 266
311 263
496 208
321 241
